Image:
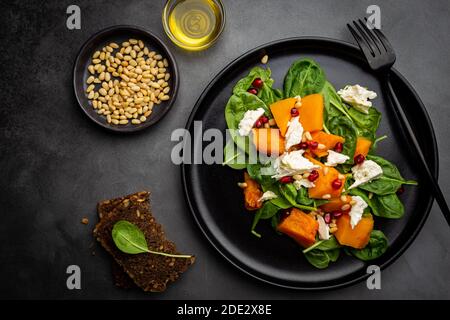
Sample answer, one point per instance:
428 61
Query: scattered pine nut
265 59
242 185
85 220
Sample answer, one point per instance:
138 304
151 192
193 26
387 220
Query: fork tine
360 41
374 38
369 42
384 41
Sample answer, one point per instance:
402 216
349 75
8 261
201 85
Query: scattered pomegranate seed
336 214
339 147
294 112
258 124
303 145
257 83
336 184
264 119
401 190
327 218
286 180
252 91
359 159
313 175
313 144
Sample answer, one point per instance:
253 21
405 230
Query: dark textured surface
56 164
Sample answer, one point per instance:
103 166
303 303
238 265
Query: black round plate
120 34
217 203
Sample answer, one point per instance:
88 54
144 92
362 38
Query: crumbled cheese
298 184
294 133
358 97
324 229
268 195
357 210
292 163
365 172
249 120
334 158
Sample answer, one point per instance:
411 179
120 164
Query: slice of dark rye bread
149 271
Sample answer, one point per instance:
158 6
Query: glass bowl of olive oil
193 24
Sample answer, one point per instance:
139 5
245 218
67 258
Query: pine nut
370 196
308 136
333 230
344 198
345 207
242 185
325 170
326 196
298 177
321 146
272 122
265 59
90 88
341 176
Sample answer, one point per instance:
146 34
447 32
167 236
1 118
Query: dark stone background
56 164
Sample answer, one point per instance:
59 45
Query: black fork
381 56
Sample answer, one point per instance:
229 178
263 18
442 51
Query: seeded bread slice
149 271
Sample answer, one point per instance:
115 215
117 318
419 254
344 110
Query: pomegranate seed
252 91
336 214
336 184
294 112
359 159
264 119
286 180
313 144
339 147
303 145
313 175
327 218
257 83
401 190
258 124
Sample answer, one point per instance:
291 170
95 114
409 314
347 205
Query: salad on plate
308 156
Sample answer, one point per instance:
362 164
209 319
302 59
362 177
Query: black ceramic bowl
120 34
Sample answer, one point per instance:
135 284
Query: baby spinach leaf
324 245
367 124
290 194
333 104
377 245
303 198
322 253
279 201
304 77
235 109
345 128
267 211
234 157
255 172
128 238
389 182
388 206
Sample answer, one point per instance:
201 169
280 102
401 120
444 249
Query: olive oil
195 24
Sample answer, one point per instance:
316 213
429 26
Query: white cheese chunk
357 210
292 163
298 184
268 195
324 229
358 97
249 120
334 158
294 133
365 172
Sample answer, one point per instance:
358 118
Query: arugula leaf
345 128
304 77
377 246
389 182
233 156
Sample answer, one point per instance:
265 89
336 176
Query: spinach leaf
267 211
290 194
303 198
377 245
388 206
304 77
279 201
233 156
255 172
345 128
367 124
235 109
389 182
322 253
374 146
333 104
130 239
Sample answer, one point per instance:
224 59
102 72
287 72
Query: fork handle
415 148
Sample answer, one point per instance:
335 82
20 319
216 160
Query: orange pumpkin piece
327 139
323 184
300 226
335 204
311 112
362 146
281 111
356 238
268 141
252 193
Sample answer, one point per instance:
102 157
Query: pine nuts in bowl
125 79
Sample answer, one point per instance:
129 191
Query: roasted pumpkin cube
324 183
252 193
356 238
362 146
299 226
268 141
281 111
311 112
